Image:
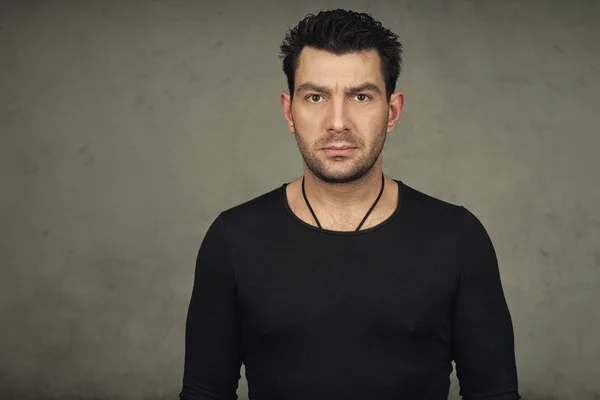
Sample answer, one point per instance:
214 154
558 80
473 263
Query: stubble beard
354 168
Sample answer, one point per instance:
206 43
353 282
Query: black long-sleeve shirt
374 314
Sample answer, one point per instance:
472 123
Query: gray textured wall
126 127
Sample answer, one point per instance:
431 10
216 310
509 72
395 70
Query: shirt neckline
383 223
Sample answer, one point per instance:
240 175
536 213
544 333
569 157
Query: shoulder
439 220
428 210
256 211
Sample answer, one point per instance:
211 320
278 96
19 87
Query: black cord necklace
366 216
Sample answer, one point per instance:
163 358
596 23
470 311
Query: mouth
339 150
343 147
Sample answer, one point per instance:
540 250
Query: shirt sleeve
483 337
212 338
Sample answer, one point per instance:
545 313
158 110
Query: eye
362 97
314 98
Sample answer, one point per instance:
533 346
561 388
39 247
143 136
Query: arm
483 338
212 349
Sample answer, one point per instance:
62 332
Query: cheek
306 117
373 123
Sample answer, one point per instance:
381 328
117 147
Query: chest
339 221
346 290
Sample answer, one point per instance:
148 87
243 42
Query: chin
341 175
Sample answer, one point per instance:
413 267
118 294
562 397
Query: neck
349 196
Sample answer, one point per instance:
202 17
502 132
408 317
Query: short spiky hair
339 32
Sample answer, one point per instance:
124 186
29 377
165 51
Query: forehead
346 69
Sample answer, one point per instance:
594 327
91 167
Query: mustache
347 140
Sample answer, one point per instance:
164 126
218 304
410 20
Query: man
346 283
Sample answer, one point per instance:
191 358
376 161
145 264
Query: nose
337 118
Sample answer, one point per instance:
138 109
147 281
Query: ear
286 106
395 110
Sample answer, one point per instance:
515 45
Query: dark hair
342 31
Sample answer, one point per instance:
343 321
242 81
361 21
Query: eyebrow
313 87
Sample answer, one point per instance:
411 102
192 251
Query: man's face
339 101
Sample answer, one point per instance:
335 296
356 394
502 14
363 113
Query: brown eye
361 97
315 98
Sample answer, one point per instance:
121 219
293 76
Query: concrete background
127 126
